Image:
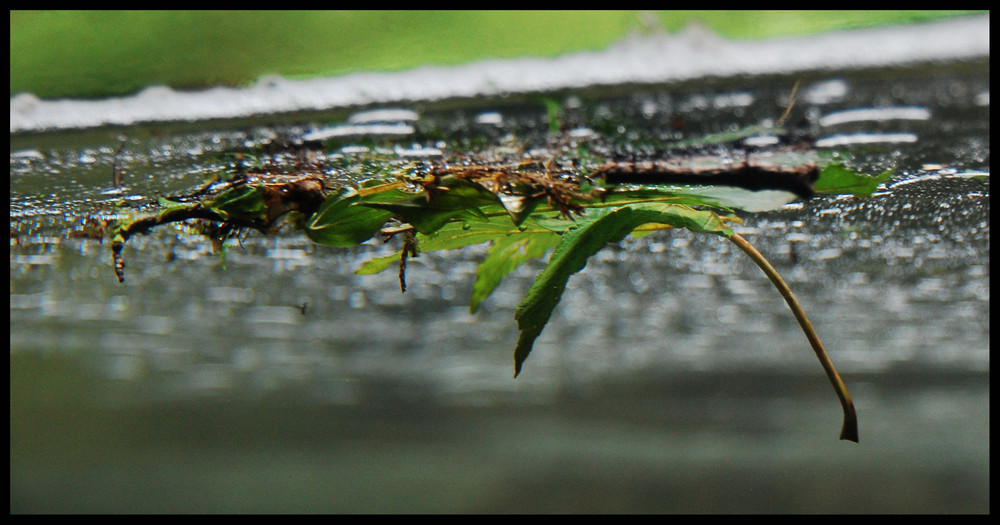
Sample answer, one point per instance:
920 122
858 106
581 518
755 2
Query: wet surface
653 58
672 376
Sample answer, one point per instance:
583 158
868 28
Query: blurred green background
85 54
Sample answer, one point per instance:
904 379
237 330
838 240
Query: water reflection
359 130
878 114
852 139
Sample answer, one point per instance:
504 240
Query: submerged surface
672 376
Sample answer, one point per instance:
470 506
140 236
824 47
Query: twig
141 226
410 249
791 104
849 431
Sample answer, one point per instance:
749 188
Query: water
672 377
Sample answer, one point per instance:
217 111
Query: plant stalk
849 431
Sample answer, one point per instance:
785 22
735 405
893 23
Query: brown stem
849 431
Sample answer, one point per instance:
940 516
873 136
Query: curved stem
849 431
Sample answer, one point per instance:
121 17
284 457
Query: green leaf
167 203
170 206
377 264
239 203
452 199
339 221
838 179
506 254
575 247
457 235
681 216
675 194
554 221
512 246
